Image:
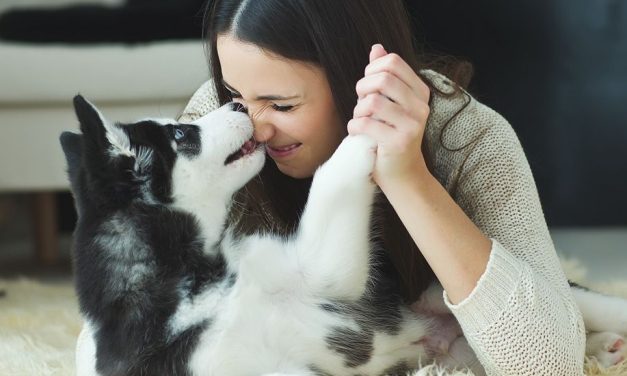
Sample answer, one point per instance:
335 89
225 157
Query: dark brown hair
336 35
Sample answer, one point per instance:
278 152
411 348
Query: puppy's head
160 161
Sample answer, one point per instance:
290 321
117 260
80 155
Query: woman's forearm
452 244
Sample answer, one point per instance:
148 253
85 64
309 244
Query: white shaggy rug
39 325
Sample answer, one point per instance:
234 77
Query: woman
460 201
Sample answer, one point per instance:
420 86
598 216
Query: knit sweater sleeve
204 100
521 318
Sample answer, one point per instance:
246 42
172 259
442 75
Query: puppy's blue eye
179 134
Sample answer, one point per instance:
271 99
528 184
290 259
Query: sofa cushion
110 72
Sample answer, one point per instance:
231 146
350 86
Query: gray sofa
37 84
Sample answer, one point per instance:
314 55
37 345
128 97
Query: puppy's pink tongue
249 146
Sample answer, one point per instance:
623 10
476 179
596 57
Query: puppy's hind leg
431 301
601 313
606 347
605 319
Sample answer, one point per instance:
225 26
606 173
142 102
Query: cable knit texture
521 318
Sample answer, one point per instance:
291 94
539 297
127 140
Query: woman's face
289 102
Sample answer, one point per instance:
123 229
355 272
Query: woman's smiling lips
282 151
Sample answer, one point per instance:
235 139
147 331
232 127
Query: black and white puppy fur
165 287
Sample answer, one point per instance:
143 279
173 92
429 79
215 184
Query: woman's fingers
395 65
386 84
374 128
380 108
393 108
376 52
391 142
396 113
390 76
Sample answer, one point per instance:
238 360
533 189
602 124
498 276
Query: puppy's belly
272 322
284 332
266 333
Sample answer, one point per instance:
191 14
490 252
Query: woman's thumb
376 52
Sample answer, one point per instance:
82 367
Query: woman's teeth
286 148
282 151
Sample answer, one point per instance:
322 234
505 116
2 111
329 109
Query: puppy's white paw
354 158
608 348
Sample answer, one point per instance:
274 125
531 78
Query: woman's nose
263 131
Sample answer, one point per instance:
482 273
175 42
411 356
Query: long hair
337 36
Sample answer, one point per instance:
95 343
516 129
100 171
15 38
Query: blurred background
557 70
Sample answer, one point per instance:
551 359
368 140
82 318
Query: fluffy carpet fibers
39 324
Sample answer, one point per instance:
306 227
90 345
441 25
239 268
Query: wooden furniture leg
45 228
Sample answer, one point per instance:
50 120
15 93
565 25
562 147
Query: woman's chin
296 173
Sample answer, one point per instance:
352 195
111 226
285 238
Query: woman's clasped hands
392 108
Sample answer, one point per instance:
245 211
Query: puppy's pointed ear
98 132
73 150
92 123
72 145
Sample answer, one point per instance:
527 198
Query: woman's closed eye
280 108
276 107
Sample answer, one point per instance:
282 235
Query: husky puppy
166 288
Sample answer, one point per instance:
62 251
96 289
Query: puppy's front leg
333 240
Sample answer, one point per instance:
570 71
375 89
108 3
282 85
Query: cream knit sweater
521 318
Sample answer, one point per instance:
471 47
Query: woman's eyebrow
262 97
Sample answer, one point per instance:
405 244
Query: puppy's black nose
238 107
